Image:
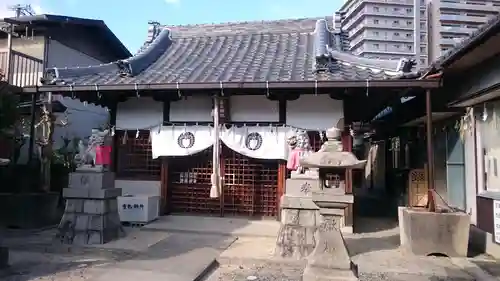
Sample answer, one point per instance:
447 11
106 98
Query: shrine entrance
250 185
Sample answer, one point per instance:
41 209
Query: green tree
8 114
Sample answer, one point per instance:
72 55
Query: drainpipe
430 151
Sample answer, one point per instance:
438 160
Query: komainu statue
300 147
87 157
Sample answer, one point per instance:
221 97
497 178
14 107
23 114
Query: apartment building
387 29
453 20
423 29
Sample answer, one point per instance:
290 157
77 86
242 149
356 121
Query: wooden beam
430 151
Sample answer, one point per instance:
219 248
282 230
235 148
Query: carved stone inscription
328 223
305 188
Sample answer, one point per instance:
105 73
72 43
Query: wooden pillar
430 151
31 148
349 210
281 186
282 171
164 179
112 122
164 198
47 149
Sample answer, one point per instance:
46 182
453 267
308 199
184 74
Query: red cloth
293 159
103 155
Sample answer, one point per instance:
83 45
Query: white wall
81 118
470 176
314 112
253 108
308 112
191 109
139 113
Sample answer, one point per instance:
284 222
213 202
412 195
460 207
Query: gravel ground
30 266
263 272
376 253
273 272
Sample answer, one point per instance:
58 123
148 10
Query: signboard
496 221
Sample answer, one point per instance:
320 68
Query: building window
376 33
397 46
396 9
376 46
422 49
409 47
375 21
422 37
396 34
409 10
376 9
396 22
422 25
408 35
409 22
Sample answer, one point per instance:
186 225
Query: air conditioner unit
138 208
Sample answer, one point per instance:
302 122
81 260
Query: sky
128 18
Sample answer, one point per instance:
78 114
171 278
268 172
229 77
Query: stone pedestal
330 259
299 219
426 233
91 212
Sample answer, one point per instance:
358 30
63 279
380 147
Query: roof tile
284 50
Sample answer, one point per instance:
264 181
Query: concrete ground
181 248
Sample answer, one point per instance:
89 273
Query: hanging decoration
260 142
180 140
466 123
484 116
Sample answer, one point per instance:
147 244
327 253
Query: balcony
487 7
464 18
24 70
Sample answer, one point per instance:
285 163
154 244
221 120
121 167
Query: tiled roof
283 50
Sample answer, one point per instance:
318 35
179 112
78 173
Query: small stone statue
86 157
